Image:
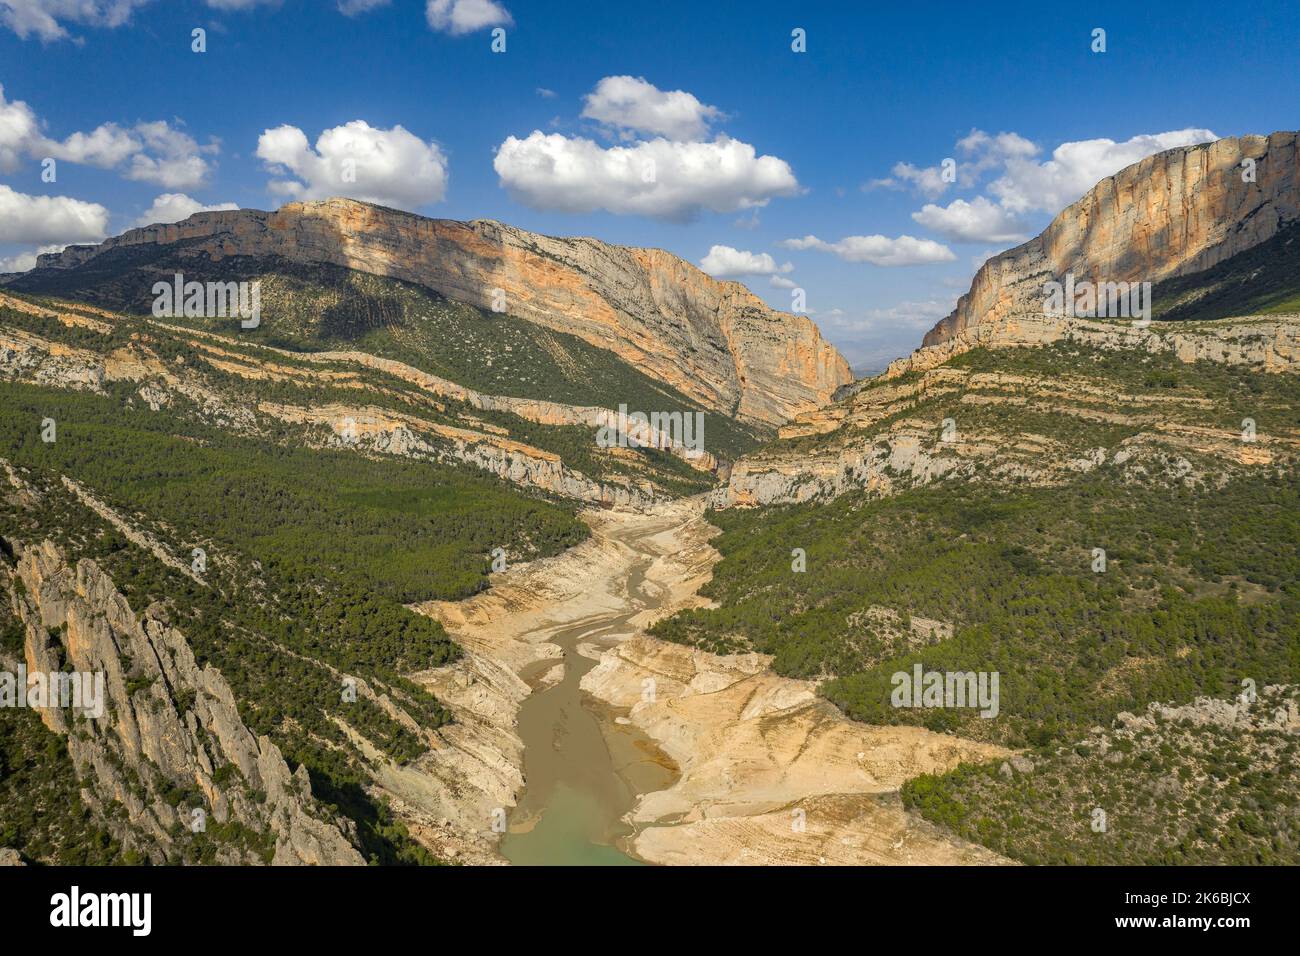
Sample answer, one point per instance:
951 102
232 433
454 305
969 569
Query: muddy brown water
583 769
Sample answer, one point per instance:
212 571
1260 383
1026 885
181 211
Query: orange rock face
1171 214
714 341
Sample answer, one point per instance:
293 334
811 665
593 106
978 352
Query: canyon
574 735
699 759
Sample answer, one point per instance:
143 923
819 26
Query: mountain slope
713 341
1100 512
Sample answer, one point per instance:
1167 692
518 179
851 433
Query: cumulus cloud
979 152
19 130
878 250
391 167
665 167
724 262
1078 166
658 178
26 261
929 181
781 282
173 207
105 146
1023 183
984 151
49 219
45 19
633 104
153 152
459 17
170 159
979 220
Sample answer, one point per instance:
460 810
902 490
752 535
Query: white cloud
46 219
633 104
659 178
987 151
391 167
173 207
724 262
459 17
105 146
920 315
19 129
545 94
1076 167
979 220
152 152
170 158
879 250
26 261
781 282
239 4
45 18
352 8
929 181
663 168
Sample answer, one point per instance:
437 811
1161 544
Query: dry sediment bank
767 772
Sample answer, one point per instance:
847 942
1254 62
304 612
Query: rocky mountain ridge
1171 214
169 727
712 340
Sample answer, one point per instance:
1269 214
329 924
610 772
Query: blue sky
679 125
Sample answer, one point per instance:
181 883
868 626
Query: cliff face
167 724
1172 214
714 341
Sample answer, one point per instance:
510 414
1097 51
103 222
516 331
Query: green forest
311 557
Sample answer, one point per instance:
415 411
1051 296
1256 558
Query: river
585 767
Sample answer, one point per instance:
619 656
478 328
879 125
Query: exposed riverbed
608 747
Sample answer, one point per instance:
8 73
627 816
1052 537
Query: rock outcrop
772 773
713 341
1172 214
889 434
358 427
168 752
1267 343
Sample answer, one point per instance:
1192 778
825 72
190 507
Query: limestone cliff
169 741
1172 214
713 341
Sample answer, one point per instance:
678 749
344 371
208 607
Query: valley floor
706 758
